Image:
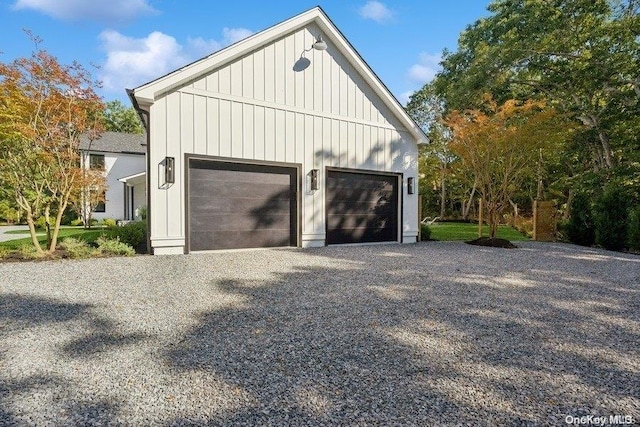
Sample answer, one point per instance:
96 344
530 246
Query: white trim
288 108
130 177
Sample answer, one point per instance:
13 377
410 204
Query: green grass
77 232
466 231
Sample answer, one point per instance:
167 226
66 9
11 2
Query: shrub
134 234
524 225
41 223
77 248
109 222
579 229
8 213
28 251
633 231
611 213
76 222
425 232
114 247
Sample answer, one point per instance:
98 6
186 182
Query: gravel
437 333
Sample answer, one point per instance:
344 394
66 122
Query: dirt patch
492 243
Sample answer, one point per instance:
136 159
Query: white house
122 157
286 138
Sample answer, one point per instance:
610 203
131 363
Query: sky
131 42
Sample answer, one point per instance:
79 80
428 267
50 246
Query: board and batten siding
259 108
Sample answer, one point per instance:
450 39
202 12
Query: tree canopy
44 108
118 118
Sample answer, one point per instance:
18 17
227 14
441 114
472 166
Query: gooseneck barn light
319 44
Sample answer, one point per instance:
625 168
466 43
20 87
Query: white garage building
286 138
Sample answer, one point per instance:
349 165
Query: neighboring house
286 138
122 157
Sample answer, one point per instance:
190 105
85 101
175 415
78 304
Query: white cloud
95 10
426 68
376 11
134 61
404 97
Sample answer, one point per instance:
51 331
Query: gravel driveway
438 333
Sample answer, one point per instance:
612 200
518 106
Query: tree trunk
466 208
443 192
32 232
47 224
56 229
567 211
607 153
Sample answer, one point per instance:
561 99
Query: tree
118 118
45 107
501 147
580 55
427 109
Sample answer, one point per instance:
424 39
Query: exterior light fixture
169 170
410 185
314 179
319 44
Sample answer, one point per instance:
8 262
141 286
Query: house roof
145 95
115 142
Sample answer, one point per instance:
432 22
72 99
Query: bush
611 214
425 232
41 223
114 247
28 251
76 222
134 234
77 248
579 229
633 231
524 225
109 222
8 213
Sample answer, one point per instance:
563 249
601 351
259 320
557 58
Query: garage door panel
226 239
213 205
362 235
357 221
215 222
245 190
361 207
241 205
232 176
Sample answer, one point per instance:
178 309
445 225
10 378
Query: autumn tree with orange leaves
501 144
44 108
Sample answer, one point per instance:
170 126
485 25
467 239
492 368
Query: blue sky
135 41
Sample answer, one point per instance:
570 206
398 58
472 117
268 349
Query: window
99 203
96 161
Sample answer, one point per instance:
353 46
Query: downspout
146 121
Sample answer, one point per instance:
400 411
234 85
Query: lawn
466 231
77 232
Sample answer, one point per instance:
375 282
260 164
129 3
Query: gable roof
115 142
146 94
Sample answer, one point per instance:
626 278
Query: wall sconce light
410 185
319 44
314 179
169 170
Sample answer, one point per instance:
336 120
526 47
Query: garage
241 205
361 207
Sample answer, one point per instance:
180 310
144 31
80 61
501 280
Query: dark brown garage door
361 207
234 205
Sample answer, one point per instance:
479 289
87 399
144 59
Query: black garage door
361 207
234 205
